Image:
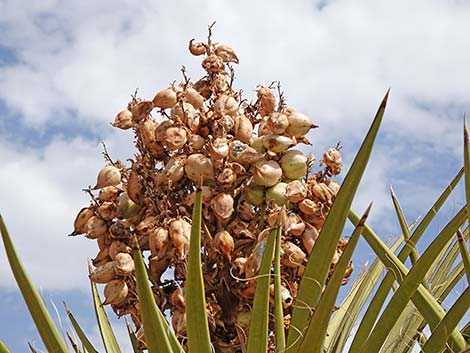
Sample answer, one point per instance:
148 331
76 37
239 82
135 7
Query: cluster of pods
247 159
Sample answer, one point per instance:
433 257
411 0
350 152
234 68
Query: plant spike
3 347
41 317
132 337
464 253
73 343
81 335
278 307
317 269
466 159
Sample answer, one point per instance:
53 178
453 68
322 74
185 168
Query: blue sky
67 68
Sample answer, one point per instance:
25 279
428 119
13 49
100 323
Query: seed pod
227 178
165 98
239 264
333 186
220 84
102 257
178 321
277 143
160 131
226 105
157 266
333 160
120 230
146 226
104 273
219 148
140 110
294 225
309 207
212 64
243 129
180 233
199 166
263 128
95 227
197 48
296 190
109 193
117 247
226 53
277 194
253 263
292 255
115 292
266 100
81 220
183 112
245 211
158 241
123 120
134 187
193 97
299 124
222 205
224 243
126 208
322 192
146 131
107 210
177 298
309 237
175 138
286 297
277 123
108 176
174 169
242 153
125 264
294 164
267 173
203 86
254 194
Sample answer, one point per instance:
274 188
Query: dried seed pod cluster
245 157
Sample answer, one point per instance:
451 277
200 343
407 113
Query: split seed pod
104 273
222 205
296 191
108 176
226 105
175 138
123 120
333 160
277 123
180 233
109 193
198 166
219 148
197 48
81 220
286 297
115 292
213 64
226 53
242 153
294 225
134 187
224 243
183 112
165 98
158 241
107 210
140 110
117 247
95 227
309 207
292 255
125 264
266 100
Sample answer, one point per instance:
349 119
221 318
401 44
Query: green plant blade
278 307
41 317
316 332
133 338
466 165
31 348
464 254
196 316
155 329
81 335
409 286
258 334
74 344
107 334
437 342
3 347
317 269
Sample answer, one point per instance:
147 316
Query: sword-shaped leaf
3 347
278 307
81 335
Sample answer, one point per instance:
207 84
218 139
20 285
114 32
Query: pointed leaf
74 344
278 307
41 317
464 254
133 338
196 316
258 335
317 269
316 332
3 347
81 335
466 160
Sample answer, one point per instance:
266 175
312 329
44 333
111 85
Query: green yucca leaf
381 294
3 347
464 254
438 339
318 267
466 160
156 331
258 334
196 316
404 226
81 335
41 317
278 307
409 286
133 338
107 334
316 332
73 343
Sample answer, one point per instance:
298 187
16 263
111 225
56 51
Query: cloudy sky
67 68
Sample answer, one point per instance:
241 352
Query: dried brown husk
292 255
266 100
108 176
95 227
165 98
213 64
224 243
124 120
226 53
333 160
194 98
242 153
198 167
222 205
134 187
107 210
226 105
175 138
180 233
104 273
117 247
115 292
158 241
81 220
124 264
243 129
197 48
109 193
140 110
296 191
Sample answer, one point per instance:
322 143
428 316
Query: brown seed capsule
146 131
146 226
226 105
242 153
239 264
104 273
180 233
183 112
224 243
333 186
160 131
292 255
95 227
81 220
286 297
299 124
109 193
333 160
108 176
141 110
102 257
177 298
246 211
219 148
296 191
123 120
309 207
309 237
197 142
115 292
266 100
267 173
227 178
125 264
203 86
226 53
126 208
175 138
198 167
322 192
158 241
294 225
277 143
243 129
222 205
220 84
117 247
178 321
165 99
174 169
119 230
277 123
253 263
193 97
212 64
107 210
197 48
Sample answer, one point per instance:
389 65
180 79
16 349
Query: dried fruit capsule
292 255
267 173
81 220
277 194
226 104
277 123
108 176
198 166
175 138
266 100
104 273
224 242
158 241
124 264
294 164
109 193
193 97
95 227
117 247
123 120
226 53
333 160
197 48
180 232
165 98
115 292
299 124
277 143
296 191
309 237
222 205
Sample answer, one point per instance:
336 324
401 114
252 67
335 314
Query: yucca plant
243 236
